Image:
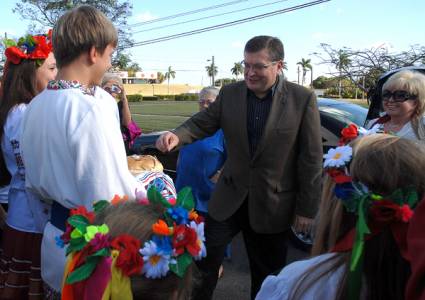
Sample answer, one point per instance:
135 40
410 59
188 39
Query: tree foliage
168 75
369 64
224 81
160 77
305 66
47 12
212 70
237 69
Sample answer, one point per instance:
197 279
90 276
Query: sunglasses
113 89
398 96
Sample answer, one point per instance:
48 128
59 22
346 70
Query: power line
189 12
209 17
228 24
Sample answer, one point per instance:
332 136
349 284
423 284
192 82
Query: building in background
141 77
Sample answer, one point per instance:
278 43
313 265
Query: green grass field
162 115
166 115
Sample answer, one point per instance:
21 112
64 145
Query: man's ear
93 55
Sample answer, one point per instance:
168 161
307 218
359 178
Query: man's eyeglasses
398 96
257 67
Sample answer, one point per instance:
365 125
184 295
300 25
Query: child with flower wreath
126 250
71 138
30 64
371 189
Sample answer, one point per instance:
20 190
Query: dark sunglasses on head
398 96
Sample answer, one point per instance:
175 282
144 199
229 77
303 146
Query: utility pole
298 71
212 71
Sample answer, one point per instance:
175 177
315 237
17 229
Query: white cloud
145 16
237 45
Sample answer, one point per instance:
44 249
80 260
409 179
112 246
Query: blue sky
357 24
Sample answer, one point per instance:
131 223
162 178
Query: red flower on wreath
185 237
15 55
129 260
66 236
82 210
338 176
348 134
385 211
42 49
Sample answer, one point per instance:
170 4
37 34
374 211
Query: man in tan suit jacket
272 174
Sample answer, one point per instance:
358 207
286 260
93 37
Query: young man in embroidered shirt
71 140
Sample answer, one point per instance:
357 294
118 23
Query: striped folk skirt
20 276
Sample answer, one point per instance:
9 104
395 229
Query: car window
355 114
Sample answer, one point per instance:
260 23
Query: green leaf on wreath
84 271
185 198
397 196
80 222
76 245
9 43
102 252
155 197
412 197
100 205
182 262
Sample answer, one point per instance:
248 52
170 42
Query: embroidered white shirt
74 154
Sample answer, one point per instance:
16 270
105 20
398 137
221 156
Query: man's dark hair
273 45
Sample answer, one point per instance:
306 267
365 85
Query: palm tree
211 71
305 65
169 74
237 69
342 63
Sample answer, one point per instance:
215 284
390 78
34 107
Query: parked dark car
375 93
334 116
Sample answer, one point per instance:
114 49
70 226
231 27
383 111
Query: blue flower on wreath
344 191
158 183
163 244
59 242
178 214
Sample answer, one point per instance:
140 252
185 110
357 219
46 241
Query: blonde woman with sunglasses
403 100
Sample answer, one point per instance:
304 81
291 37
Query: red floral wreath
43 46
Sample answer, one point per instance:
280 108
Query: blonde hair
140 163
136 220
80 29
385 163
412 82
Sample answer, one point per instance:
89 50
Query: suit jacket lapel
276 110
241 120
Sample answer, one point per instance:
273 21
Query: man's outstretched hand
167 142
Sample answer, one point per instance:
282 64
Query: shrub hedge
134 98
181 97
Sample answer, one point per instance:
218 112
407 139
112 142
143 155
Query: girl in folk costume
30 65
370 191
131 250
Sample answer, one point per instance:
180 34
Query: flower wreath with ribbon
374 212
101 265
35 47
